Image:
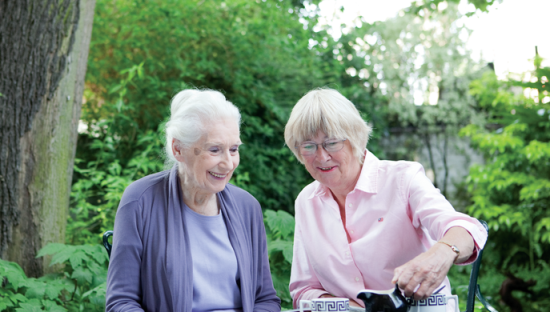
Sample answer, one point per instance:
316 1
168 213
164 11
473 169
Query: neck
342 192
199 201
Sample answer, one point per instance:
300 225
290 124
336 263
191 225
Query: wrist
452 248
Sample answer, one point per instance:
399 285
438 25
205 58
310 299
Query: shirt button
350 205
347 253
357 279
352 232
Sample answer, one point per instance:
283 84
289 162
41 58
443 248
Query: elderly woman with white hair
366 223
185 239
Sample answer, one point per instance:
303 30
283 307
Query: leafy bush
100 175
512 190
80 287
280 241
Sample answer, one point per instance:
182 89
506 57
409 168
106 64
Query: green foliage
263 55
280 239
80 287
512 190
100 175
255 52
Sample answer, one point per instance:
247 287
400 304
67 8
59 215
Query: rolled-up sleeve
431 210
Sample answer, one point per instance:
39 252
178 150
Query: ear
177 150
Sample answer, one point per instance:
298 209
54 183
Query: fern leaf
51 249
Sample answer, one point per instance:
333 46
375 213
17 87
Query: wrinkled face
208 165
338 171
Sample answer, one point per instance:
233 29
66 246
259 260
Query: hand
352 302
425 272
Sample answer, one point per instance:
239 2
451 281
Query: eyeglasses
309 148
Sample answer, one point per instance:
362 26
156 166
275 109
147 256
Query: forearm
460 238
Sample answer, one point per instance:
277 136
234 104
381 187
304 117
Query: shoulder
240 196
400 166
241 205
242 201
308 191
404 170
146 188
304 203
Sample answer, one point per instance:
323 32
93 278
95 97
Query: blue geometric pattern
433 300
331 306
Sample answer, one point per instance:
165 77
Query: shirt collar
367 179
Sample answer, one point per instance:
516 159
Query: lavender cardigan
151 268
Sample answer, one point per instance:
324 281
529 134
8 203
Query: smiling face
338 171
208 165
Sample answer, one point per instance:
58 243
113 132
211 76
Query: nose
321 154
227 160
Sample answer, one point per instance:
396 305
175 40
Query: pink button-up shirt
393 214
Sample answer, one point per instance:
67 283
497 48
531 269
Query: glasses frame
297 147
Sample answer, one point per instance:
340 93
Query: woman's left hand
428 270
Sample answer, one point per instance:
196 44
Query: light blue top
216 276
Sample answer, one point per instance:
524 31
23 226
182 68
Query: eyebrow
217 143
326 138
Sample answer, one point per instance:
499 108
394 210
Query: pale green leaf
54 289
82 275
280 222
63 255
32 305
53 307
36 290
50 249
18 298
77 258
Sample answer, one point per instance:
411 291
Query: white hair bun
190 113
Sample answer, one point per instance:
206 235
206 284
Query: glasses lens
307 149
333 146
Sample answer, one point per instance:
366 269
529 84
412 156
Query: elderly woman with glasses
185 239
366 223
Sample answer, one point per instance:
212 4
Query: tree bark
43 55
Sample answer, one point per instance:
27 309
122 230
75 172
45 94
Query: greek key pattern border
331 306
435 300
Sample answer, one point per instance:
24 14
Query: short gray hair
190 111
330 112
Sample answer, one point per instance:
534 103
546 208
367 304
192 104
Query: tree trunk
43 55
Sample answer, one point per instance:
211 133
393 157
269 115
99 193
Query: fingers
426 287
406 279
396 273
419 277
